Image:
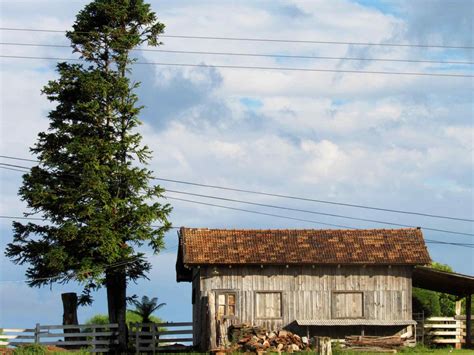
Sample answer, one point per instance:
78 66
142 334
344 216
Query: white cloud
404 142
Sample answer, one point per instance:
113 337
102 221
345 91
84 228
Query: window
226 304
268 305
347 304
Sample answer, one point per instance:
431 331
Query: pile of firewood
374 343
257 339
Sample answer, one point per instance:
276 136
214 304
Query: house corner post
457 314
212 320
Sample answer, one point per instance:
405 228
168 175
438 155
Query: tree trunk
70 316
116 284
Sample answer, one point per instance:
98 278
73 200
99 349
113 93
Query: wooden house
315 282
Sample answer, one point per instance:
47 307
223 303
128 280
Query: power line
13 169
316 212
315 200
20 217
275 215
290 69
466 245
265 55
285 196
237 209
85 272
44 219
278 40
260 213
15 158
16 166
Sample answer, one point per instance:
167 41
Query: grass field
41 350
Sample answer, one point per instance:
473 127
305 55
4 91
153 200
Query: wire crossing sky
276 195
375 146
268 39
317 70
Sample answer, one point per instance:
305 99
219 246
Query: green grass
36 349
41 350
416 350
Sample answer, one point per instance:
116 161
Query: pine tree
92 184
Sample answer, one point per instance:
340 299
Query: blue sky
401 142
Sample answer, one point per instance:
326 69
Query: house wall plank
307 292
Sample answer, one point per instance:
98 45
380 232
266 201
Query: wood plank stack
374 343
257 339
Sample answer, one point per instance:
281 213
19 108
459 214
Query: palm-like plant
146 307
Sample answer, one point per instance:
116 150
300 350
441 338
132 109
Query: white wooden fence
445 330
93 337
99 338
155 337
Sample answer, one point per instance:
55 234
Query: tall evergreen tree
91 183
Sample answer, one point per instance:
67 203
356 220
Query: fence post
37 333
137 342
94 330
423 328
153 335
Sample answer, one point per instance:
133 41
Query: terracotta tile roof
370 246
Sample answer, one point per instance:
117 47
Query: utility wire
260 213
466 245
20 217
16 158
279 40
85 272
290 69
316 212
282 196
265 55
44 219
16 166
314 200
13 169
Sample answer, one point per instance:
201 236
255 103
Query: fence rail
98 338
95 337
445 330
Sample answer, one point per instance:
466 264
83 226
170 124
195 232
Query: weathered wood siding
308 293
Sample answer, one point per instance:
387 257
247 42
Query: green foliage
426 301
146 307
434 303
31 349
130 316
37 349
92 183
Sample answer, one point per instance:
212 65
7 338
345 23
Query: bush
130 316
30 349
37 349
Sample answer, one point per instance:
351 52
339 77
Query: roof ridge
297 229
